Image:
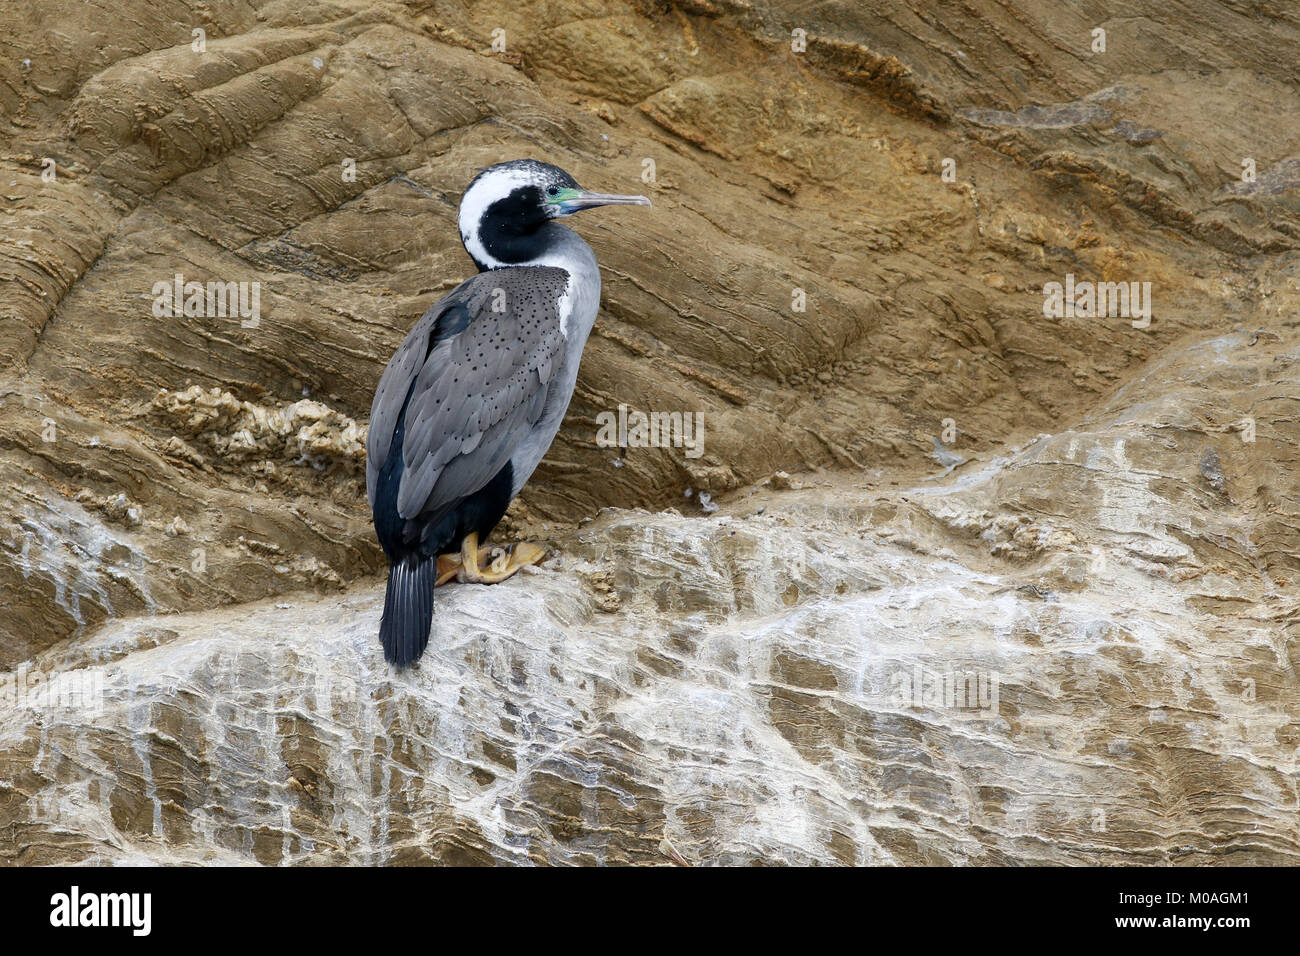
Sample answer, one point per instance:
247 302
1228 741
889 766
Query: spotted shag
472 399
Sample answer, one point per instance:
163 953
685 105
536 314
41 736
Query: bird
472 399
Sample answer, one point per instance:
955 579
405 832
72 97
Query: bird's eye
552 190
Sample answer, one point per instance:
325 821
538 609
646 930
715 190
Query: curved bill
582 199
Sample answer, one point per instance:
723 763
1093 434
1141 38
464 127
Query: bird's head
506 206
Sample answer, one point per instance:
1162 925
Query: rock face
1029 597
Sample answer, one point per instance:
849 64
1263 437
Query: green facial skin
563 201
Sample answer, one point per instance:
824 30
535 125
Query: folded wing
468 384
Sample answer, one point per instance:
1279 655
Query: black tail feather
408 609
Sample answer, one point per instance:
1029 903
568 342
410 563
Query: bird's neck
561 248
495 246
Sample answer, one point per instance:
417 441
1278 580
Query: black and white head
505 208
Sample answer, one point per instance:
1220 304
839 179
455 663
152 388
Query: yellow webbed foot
503 566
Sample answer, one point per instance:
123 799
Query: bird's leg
468 569
448 567
501 567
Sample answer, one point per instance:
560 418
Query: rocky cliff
962 572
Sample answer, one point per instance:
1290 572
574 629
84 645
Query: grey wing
442 319
477 367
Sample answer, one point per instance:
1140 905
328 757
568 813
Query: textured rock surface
1095 519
